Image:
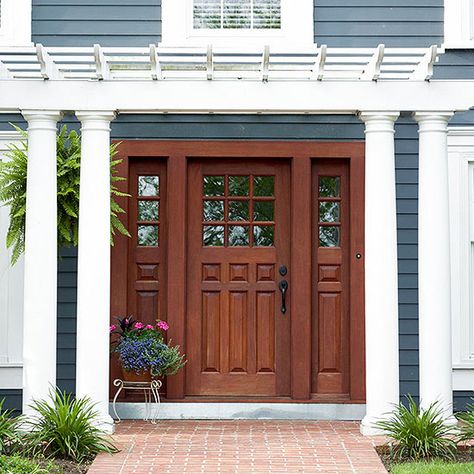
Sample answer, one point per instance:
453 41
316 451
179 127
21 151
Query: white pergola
97 83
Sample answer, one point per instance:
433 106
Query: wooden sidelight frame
301 155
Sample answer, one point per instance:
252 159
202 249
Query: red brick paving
240 446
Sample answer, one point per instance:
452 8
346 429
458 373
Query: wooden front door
238 326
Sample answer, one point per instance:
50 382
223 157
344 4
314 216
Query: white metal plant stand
151 392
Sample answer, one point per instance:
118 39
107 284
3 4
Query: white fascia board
292 97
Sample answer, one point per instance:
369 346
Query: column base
105 423
368 428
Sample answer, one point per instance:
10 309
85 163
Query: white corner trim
15 26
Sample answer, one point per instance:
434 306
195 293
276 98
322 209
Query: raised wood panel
329 307
265 272
211 328
265 326
211 272
147 305
238 272
238 314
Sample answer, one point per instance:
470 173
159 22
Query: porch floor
241 446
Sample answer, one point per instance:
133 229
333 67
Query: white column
381 278
434 282
40 292
93 284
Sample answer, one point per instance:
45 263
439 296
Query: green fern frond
13 175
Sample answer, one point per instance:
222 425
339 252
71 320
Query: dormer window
237 14
285 23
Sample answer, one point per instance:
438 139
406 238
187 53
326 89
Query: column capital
432 121
379 121
95 119
42 119
373 115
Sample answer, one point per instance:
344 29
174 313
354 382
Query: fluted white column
434 282
40 292
93 284
381 279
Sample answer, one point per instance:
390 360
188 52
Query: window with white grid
254 23
237 14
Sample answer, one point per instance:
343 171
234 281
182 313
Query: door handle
283 287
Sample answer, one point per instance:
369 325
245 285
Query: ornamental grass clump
418 434
142 348
9 430
65 427
467 423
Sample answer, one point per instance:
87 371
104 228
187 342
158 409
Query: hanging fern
13 190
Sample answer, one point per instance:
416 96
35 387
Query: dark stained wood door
237 337
331 277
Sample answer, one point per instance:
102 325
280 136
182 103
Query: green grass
18 465
435 467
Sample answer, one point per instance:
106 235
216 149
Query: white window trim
458 24
11 298
15 26
297 27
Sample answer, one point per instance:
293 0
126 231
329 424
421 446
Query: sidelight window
148 211
329 211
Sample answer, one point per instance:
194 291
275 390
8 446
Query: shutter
237 14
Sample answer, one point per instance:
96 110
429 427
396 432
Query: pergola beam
285 97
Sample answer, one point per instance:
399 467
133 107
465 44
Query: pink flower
112 328
149 326
163 325
139 325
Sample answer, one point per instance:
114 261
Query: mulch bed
464 454
68 467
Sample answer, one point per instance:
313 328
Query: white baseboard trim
11 376
245 411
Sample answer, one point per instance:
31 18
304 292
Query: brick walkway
240 446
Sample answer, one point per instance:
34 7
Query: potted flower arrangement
142 350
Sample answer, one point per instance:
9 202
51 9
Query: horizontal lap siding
366 23
107 22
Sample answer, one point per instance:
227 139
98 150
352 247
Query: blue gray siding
107 22
366 23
